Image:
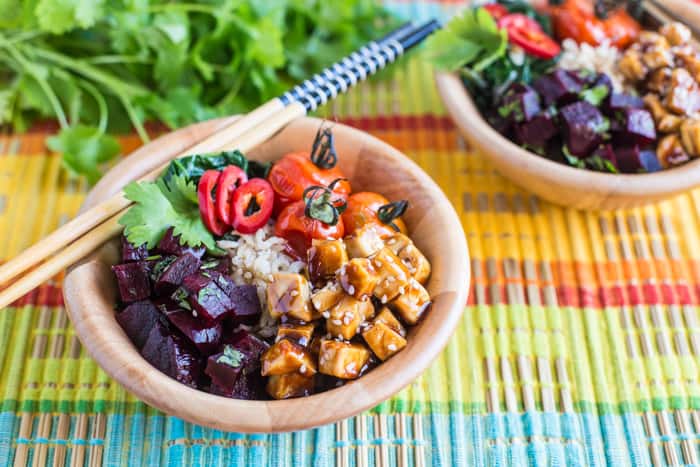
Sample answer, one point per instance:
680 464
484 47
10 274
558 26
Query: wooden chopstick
89 242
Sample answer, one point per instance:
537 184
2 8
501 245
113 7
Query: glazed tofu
670 151
325 258
288 294
299 333
344 319
416 263
690 136
327 297
386 317
665 121
343 360
358 278
383 340
676 33
631 66
289 385
364 242
398 242
393 275
657 58
286 356
412 304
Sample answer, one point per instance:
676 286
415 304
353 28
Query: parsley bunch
103 67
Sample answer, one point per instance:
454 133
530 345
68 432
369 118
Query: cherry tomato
362 210
295 172
206 202
527 33
496 10
230 178
293 225
576 19
251 206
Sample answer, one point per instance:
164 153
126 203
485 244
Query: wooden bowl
552 181
90 289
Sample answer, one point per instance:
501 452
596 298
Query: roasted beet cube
224 367
246 303
220 265
137 320
133 280
559 86
620 101
205 336
246 387
172 354
170 245
634 126
519 104
252 346
537 131
607 152
650 161
206 297
584 127
629 159
174 272
130 252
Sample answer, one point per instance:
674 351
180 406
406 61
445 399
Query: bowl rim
257 416
468 119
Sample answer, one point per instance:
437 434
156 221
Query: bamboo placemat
579 345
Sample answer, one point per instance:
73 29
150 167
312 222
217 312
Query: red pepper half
229 180
252 205
206 202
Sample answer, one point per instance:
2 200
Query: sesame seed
337 322
377 263
302 369
402 290
347 320
391 241
294 293
194 313
390 279
351 290
326 314
391 347
384 299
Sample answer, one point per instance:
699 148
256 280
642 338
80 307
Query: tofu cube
383 340
286 356
358 278
289 385
325 257
416 263
343 360
288 294
364 242
346 316
413 303
393 275
299 333
398 242
387 317
327 297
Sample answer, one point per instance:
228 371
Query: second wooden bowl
90 289
554 182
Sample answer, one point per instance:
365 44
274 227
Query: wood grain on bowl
90 292
554 182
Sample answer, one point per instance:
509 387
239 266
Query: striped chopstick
82 235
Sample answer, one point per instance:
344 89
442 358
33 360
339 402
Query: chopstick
98 224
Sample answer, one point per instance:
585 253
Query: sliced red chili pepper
527 33
496 10
229 180
206 202
252 205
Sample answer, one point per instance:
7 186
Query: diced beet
130 252
537 131
557 86
137 320
173 274
170 245
650 161
133 280
620 101
206 297
629 159
606 151
519 104
220 265
246 303
634 126
224 367
206 337
246 387
583 127
249 344
172 354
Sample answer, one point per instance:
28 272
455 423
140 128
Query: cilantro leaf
231 357
59 16
84 149
595 95
160 205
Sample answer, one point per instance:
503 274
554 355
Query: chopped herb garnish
595 95
231 357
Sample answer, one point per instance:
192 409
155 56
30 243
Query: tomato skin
362 210
527 33
259 189
575 19
230 178
496 10
299 230
207 209
295 172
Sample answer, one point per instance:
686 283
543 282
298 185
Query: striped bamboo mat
580 344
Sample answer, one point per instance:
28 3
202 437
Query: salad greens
104 67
